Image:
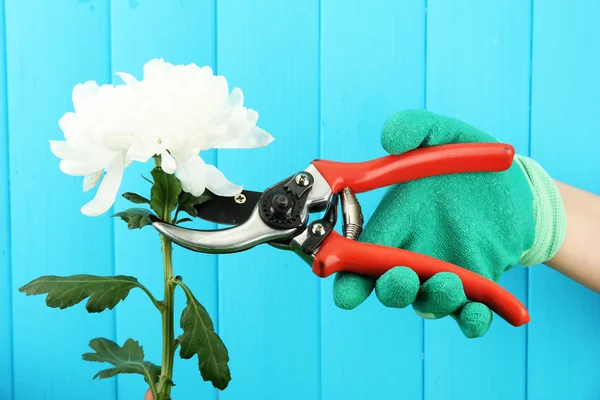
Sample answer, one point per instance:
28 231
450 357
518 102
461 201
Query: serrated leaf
164 193
136 198
199 338
103 291
187 202
128 359
136 218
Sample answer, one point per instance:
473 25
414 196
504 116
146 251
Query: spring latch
352 212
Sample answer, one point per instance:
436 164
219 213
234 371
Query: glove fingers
408 130
398 287
440 296
350 290
474 319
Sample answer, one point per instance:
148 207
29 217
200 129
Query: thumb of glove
411 129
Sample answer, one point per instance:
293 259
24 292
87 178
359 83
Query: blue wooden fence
324 75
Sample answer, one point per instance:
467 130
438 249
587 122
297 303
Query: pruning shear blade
251 233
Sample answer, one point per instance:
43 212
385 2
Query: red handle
338 254
419 163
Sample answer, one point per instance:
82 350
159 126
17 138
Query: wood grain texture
180 33
269 300
6 367
478 69
50 47
372 65
563 337
324 75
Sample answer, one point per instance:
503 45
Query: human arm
579 257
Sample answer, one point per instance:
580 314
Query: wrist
548 214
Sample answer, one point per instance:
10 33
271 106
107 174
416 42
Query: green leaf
199 338
136 198
164 193
128 359
136 218
103 291
184 220
187 202
147 180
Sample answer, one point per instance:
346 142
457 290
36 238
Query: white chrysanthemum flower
174 112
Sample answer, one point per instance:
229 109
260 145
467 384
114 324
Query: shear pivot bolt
281 201
302 180
240 198
318 229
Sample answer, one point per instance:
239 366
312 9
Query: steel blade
229 210
221 241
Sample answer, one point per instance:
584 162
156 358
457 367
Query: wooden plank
478 71
269 300
5 262
372 65
563 336
180 32
52 46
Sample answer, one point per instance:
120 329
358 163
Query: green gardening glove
485 222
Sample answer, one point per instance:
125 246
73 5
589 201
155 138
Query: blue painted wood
563 336
372 65
5 267
269 300
478 71
51 47
180 33
323 76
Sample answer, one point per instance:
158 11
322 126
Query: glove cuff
549 214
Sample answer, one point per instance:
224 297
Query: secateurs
279 216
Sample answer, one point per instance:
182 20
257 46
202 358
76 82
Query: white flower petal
118 142
84 97
167 163
256 138
251 116
72 130
217 183
107 191
208 138
141 150
236 98
62 149
128 79
191 174
156 69
83 167
91 180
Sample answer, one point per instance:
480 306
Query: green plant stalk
168 334
153 389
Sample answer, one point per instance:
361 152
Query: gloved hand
484 222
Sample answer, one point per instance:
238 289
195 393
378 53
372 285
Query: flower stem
167 310
168 339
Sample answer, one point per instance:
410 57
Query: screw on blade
240 198
318 229
302 179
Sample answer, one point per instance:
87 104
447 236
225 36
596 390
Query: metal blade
221 241
229 210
